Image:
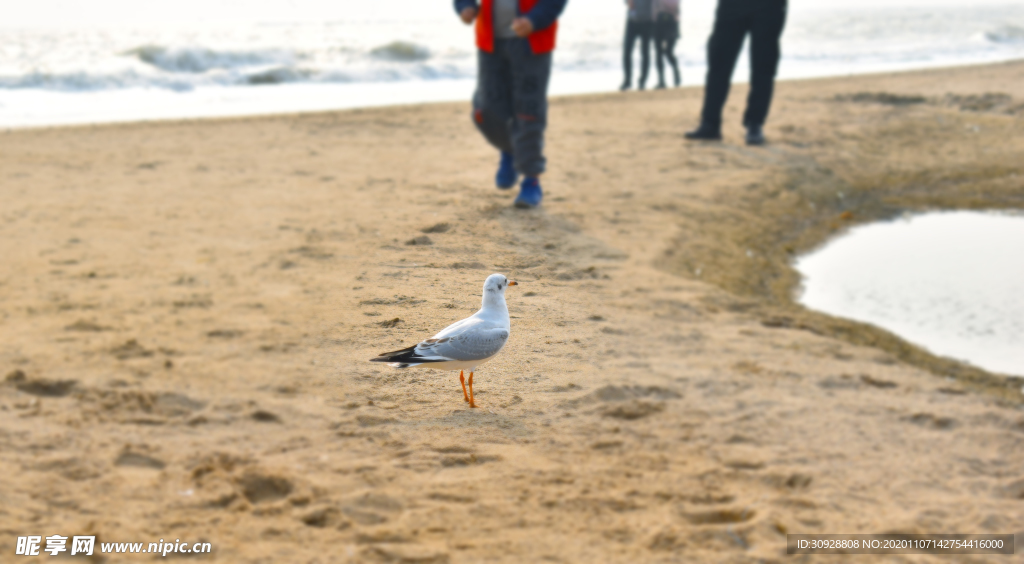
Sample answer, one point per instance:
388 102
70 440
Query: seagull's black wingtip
395 356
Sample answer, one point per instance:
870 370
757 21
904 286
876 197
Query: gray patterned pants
510 107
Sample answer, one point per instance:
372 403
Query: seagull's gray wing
474 343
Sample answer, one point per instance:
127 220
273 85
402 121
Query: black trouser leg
723 49
660 53
645 51
627 52
670 54
530 76
764 62
492 102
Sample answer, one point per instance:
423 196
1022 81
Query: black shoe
660 86
704 133
625 86
754 135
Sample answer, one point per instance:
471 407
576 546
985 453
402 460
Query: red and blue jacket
542 13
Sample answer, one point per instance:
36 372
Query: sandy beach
187 310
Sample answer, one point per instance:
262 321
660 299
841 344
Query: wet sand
187 310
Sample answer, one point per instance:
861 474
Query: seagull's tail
405 358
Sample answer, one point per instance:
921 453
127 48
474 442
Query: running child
515 39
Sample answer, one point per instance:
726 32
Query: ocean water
64 61
952 282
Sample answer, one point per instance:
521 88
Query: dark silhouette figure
764 21
666 34
639 25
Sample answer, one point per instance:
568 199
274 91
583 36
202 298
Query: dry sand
187 310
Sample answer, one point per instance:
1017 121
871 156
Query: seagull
463 345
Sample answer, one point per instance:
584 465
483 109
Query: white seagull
465 344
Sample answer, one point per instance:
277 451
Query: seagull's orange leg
471 403
462 379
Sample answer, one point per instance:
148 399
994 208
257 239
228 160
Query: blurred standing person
639 25
514 39
764 21
666 33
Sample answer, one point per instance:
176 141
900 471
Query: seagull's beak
513 283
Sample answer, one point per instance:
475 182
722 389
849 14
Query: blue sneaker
530 193
507 175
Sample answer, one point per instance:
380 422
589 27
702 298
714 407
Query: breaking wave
401 51
1006 34
186 68
200 60
90 81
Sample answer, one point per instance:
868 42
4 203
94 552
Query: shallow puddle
952 282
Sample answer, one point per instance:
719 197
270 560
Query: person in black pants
666 33
764 21
639 25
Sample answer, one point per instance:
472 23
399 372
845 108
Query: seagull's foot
472 404
462 379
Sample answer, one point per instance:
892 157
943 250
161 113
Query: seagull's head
496 284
